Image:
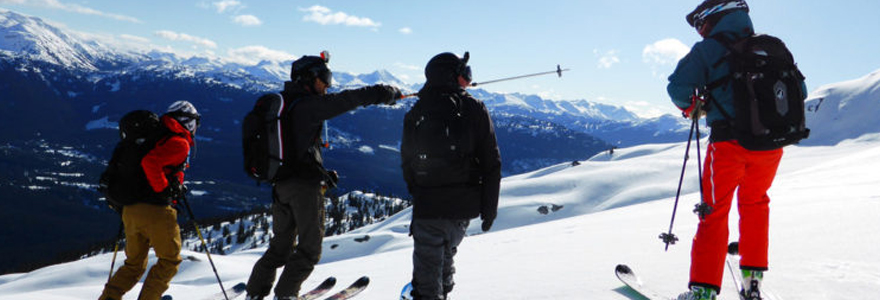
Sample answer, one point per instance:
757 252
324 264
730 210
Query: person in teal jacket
729 168
697 69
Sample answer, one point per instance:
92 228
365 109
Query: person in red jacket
152 223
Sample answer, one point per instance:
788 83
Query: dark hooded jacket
472 196
306 122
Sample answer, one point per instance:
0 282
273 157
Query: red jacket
168 154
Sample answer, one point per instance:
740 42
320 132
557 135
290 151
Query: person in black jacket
298 190
452 168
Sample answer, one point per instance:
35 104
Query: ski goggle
698 19
184 118
324 74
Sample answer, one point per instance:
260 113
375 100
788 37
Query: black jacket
469 198
304 124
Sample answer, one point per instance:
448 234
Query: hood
176 128
736 24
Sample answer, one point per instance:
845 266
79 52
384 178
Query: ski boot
751 284
698 293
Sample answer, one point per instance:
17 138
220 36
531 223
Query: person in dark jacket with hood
299 186
152 222
728 166
452 168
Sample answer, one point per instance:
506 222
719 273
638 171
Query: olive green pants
147 225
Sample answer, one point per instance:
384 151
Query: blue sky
620 51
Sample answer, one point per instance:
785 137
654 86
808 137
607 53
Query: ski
352 290
320 290
628 277
733 266
233 292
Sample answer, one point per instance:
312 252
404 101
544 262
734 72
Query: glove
695 111
487 224
387 95
174 191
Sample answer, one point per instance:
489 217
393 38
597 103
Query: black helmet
444 68
713 10
305 69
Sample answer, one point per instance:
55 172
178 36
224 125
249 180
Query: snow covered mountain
35 40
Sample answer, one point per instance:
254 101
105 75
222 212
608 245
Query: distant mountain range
61 96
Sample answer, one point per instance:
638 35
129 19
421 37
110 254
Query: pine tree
241 235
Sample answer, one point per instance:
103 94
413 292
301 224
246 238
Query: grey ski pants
298 228
436 242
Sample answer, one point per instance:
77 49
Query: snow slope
824 237
845 110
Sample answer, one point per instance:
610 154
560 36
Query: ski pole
558 72
702 209
668 237
116 249
192 217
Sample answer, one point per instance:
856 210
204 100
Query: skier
151 222
728 166
298 189
452 168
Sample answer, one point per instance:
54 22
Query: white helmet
186 114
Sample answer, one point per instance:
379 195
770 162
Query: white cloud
645 109
407 67
405 30
550 94
134 38
665 52
326 16
175 36
222 6
607 59
247 20
75 8
251 55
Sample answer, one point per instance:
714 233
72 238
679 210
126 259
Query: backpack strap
733 46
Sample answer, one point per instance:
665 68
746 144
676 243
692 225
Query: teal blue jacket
698 68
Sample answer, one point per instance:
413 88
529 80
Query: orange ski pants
729 167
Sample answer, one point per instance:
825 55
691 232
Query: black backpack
442 144
767 91
261 137
124 181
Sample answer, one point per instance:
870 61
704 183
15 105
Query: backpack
124 181
442 144
262 138
767 91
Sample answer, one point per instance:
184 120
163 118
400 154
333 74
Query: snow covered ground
824 236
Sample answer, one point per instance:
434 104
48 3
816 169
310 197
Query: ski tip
733 248
623 269
330 280
363 280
